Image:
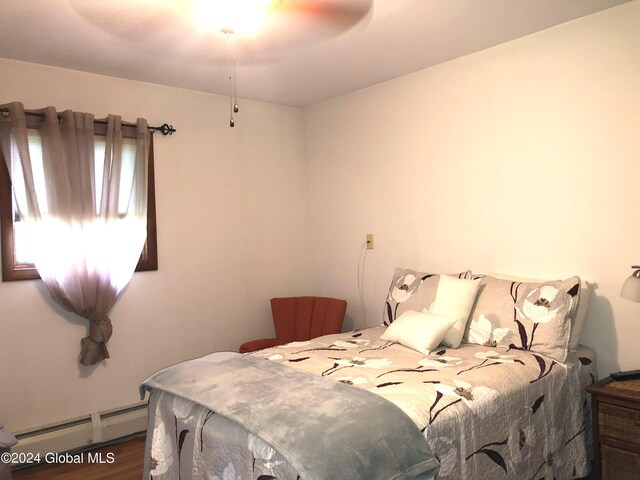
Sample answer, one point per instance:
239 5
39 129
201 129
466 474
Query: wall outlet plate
369 241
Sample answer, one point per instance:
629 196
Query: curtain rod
164 129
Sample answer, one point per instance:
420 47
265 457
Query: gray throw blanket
325 429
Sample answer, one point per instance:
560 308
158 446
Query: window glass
18 242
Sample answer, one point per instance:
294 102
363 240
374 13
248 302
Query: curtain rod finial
164 129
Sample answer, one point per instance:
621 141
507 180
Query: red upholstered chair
301 318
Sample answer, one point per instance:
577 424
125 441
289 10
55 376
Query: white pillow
582 313
454 298
421 332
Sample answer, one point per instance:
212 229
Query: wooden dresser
616 429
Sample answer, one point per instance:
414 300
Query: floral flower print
440 361
182 409
481 400
360 362
229 473
351 343
554 443
262 451
460 389
494 356
483 333
490 358
522 438
401 290
161 450
352 380
259 448
541 305
491 450
376 363
404 287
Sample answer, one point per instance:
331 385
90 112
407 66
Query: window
17 261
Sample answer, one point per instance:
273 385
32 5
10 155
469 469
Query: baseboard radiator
85 432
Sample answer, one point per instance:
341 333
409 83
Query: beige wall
523 159
231 226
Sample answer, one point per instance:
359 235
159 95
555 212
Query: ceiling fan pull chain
235 85
232 122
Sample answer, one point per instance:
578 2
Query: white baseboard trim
94 429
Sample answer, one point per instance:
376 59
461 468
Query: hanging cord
362 259
235 85
232 122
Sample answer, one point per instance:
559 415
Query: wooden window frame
13 271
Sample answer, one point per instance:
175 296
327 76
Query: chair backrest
303 318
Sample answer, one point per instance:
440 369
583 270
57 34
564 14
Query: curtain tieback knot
100 331
93 347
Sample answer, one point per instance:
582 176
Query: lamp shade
631 287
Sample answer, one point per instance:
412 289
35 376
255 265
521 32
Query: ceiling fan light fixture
241 17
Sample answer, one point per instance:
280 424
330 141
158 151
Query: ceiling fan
150 21
258 28
249 16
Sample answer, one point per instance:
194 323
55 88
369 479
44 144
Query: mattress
486 412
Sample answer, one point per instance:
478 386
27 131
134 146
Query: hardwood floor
128 464
128 459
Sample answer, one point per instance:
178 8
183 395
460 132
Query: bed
487 412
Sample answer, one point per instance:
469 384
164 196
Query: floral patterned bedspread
487 413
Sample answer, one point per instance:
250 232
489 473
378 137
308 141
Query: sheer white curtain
81 193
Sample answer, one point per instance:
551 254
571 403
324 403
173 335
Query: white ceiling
296 61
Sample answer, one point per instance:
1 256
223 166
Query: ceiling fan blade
336 13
